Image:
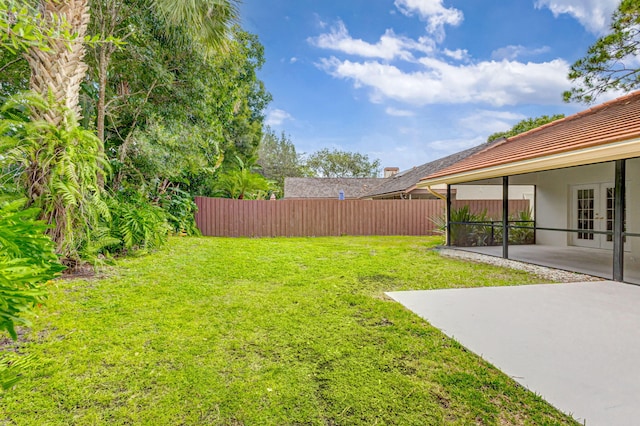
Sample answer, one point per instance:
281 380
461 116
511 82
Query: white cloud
399 112
488 122
433 12
488 82
594 15
458 54
293 60
512 52
276 117
390 45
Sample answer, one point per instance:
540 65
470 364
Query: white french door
592 208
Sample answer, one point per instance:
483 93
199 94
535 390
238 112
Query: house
397 185
319 188
403 185
585 170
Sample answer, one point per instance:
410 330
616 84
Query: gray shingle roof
406 180
329 187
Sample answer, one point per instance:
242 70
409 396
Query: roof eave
387 194
596 154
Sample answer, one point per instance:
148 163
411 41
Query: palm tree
206 21
58 70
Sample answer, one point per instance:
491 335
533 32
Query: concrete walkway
577 345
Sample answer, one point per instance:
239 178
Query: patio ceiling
607 132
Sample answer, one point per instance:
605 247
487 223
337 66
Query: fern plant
181 210
27 261
58 167
137 223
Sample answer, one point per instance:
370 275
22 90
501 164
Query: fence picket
224 217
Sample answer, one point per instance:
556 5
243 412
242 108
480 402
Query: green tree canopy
610 63
524 126
278 159
172 111
333 164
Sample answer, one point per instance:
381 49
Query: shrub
476 229
518 235
137 223
181 210
27 261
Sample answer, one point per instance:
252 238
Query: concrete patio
597 262
577 345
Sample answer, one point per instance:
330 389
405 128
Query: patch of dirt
79 270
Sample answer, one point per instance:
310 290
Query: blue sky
410 81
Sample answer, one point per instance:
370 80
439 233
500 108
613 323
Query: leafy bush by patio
470 229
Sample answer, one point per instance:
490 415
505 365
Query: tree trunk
61 69
103 64
56 74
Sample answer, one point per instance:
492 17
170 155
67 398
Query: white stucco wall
554 198
494 192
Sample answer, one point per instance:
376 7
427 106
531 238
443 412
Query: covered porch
584 219
585 171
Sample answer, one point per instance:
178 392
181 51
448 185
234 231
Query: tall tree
278 159
525 125
57 73
208 22
54 160
172 111
333 164
611 63
59 69
205 22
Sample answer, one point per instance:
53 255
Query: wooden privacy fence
223 217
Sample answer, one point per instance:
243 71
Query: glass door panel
585 209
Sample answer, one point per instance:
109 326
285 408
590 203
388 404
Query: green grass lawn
264 332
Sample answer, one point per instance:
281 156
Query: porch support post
448 215
505 217
618 221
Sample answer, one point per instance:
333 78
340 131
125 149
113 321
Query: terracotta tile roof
610 122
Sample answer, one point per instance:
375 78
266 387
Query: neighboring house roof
606 132
406 181
328 187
